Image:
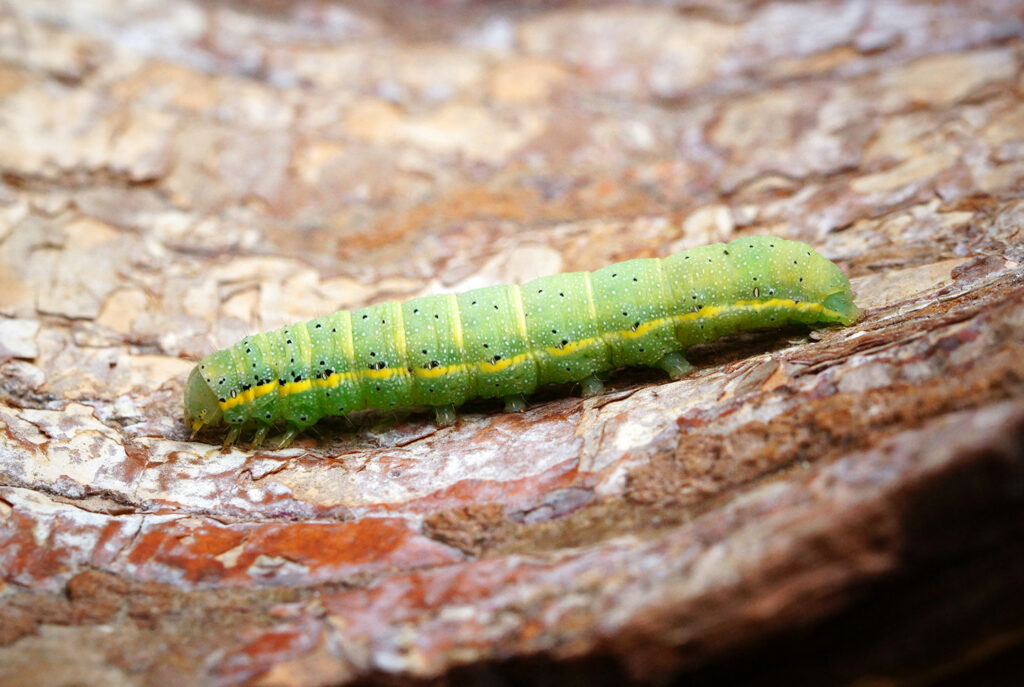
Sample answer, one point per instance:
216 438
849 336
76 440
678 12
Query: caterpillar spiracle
505 341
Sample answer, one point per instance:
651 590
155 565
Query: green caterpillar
505 341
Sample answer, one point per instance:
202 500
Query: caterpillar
505 341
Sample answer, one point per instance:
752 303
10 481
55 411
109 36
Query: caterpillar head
201 407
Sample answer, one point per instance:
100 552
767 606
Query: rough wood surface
831 508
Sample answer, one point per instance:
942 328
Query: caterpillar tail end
196 426
842 307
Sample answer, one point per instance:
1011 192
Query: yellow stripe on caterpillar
335 379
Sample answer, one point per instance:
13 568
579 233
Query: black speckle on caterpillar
505 341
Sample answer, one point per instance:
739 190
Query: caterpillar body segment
505 341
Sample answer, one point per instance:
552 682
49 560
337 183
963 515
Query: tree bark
820 507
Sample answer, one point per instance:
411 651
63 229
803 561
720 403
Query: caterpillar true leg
675 365
260 436
289 436
445 415
515 403
592 386
232 436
